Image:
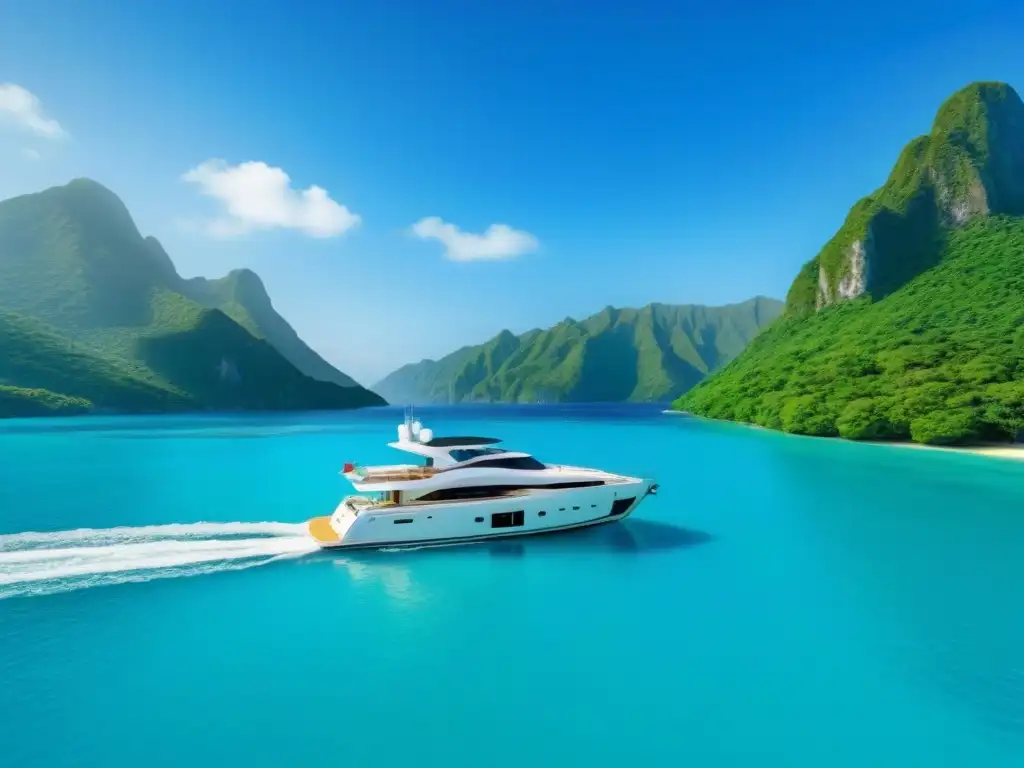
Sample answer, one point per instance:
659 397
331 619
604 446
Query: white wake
35 563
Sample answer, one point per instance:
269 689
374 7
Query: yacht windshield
465 454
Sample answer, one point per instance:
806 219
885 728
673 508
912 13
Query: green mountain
971 164
45 363
95 316
241 296
648 354
910 322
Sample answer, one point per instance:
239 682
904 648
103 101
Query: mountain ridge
73 263
647 353
242 296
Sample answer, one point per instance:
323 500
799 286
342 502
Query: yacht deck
396 474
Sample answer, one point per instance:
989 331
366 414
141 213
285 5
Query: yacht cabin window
507 519
465 454
513 462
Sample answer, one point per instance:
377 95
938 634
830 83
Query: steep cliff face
971 164
857 258
940 360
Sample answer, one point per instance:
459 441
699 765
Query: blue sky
637 152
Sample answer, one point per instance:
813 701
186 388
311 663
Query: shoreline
1011 451
1005 451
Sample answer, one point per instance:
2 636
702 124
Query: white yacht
465 489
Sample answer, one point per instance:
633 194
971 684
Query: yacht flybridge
466 489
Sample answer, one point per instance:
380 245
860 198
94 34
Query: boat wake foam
38 563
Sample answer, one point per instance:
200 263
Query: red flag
348 468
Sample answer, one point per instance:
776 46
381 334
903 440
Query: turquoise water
782 601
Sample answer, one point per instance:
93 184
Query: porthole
542 513
479 520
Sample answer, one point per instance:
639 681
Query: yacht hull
465 521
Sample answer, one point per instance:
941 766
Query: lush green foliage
971 163
648 354
114 327
54 372
18 401
941 360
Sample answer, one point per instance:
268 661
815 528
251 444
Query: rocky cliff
970 164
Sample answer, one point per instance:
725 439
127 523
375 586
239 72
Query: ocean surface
783 601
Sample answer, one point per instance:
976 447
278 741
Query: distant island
652 354
95 318
909 324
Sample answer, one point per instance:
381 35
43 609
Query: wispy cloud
259 196
499 241
30 154
23 109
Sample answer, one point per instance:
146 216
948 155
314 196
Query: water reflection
634 537
391 566
393 577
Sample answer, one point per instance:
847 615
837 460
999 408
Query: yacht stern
323 532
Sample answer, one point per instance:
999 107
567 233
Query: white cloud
500 241
258 196
23 109
30 154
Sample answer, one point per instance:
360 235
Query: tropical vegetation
650 354
927 342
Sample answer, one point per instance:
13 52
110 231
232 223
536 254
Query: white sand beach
1013 451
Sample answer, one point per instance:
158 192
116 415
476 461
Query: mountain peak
247 285
977 151
90 198
74 260
971 164
969 103
241 286
99 269
243 274
242 295
85 183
